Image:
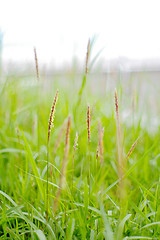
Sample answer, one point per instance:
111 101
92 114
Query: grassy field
94 176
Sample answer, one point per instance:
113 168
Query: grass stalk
62 177
57 144
50 126
60 136
101 157
96 174
89 140
119 142
38 93
84 78
120 164
100 143
87 57
75 145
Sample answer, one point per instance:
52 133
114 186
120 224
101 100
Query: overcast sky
60 28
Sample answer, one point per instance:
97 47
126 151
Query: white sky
60 28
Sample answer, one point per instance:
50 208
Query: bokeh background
60 29
126 42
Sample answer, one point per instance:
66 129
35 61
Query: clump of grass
82 214
121 161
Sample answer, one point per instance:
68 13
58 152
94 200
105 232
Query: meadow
71 167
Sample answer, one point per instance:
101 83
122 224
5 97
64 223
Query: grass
90 191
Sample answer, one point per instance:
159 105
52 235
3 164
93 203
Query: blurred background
125 36
127 31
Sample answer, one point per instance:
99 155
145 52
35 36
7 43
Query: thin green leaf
40 234
121 227
70 228
34 167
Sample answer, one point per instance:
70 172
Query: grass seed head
36 62
51 118
97 153
132 148
116 102
68 131
117 116
87 56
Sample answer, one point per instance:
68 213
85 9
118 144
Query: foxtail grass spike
36 62
51 118
97 153
87 56
116 104
131 149
68 131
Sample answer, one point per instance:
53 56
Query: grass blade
34 167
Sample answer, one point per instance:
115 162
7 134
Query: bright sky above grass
60 28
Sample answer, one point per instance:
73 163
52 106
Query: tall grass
83 197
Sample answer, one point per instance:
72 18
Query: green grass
84 211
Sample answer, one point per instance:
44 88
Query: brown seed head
132 148
36 62
117 116
97 153
51 118
87 56
116 101
68 130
